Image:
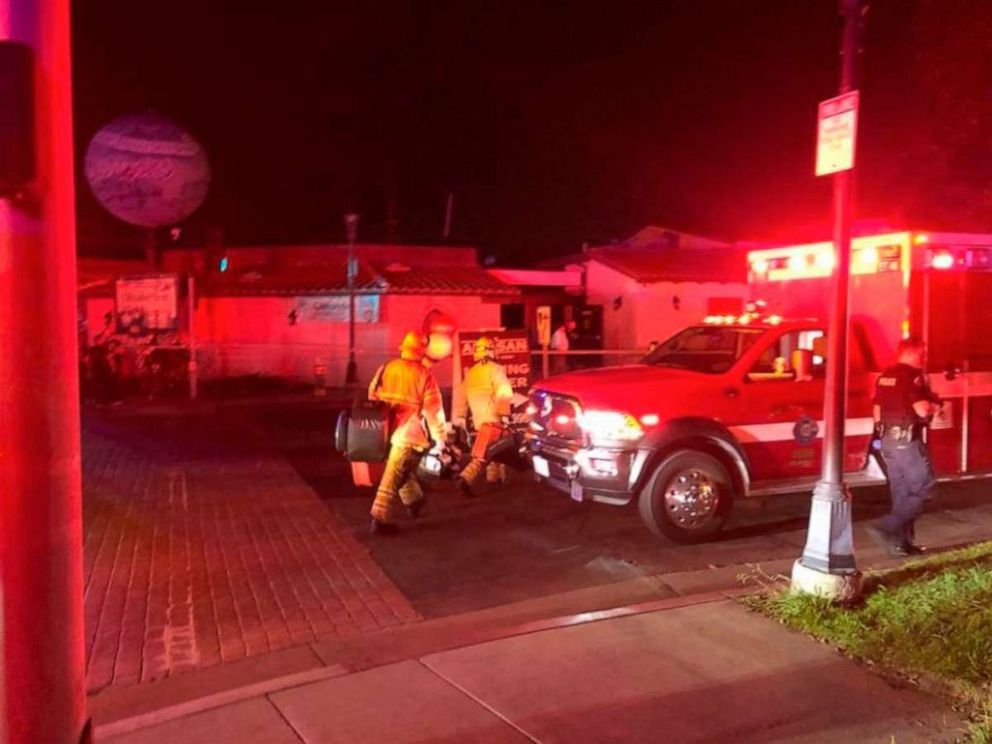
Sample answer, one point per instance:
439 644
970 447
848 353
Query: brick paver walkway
203 545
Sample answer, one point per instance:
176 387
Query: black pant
910 477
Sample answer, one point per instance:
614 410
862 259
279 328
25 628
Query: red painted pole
43 664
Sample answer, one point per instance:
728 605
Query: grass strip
928 621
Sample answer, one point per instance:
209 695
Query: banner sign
336 309
512 351
147 303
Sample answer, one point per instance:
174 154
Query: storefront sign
336 309
147 303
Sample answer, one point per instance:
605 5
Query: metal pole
827 565
41 549
448 208
351 227
191 300
965 414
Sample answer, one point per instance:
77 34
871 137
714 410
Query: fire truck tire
688 498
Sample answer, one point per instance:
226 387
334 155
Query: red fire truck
732 407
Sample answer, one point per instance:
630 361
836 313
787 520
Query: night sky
554 123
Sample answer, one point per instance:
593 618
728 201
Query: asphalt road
525 541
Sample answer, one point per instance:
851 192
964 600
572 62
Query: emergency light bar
979 259
869 255
754 312
875 254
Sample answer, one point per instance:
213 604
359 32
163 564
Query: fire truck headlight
610 426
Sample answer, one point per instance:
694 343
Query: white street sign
544 325
837 134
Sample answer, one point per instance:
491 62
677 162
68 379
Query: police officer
903 406
487 393
415 400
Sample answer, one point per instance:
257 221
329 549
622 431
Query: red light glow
942 261
825 259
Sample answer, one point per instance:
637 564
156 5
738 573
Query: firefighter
415 399
486 392
904 405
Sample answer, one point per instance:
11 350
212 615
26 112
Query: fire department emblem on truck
805 430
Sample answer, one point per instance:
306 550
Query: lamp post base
827 566
836 587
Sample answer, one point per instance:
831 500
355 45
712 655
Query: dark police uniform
907 461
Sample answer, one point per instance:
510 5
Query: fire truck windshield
709 349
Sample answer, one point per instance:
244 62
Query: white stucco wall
252 335
603 286
647 312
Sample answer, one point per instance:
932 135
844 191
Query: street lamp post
827 566
351 228
42 656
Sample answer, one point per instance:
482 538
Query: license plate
541 467
576 491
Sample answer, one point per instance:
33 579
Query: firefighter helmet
412 347
485 348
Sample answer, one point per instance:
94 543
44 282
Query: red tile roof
331 278
674 265
96 276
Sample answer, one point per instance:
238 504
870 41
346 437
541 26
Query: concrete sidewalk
706 672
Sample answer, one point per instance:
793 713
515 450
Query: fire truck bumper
609 476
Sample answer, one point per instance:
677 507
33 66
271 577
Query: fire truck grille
556 416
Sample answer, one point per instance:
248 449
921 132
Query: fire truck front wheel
689 497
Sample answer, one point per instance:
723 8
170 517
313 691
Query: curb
260 689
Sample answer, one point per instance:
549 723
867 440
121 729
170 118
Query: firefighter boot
413 510
377 527
496 473
468 477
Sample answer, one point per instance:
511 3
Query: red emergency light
942 260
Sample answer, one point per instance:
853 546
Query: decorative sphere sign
147 170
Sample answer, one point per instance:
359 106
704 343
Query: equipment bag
362 434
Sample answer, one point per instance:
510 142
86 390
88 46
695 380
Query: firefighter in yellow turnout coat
415 402
487 393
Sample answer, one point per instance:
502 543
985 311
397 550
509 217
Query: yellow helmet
412 346
485 348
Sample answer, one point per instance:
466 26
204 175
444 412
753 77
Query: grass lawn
928 621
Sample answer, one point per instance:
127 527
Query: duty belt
900 433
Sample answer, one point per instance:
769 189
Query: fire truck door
782 402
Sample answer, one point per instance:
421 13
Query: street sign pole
351 227
827 566
191 313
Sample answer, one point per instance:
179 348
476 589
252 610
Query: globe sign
147 170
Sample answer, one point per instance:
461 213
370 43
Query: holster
899 434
